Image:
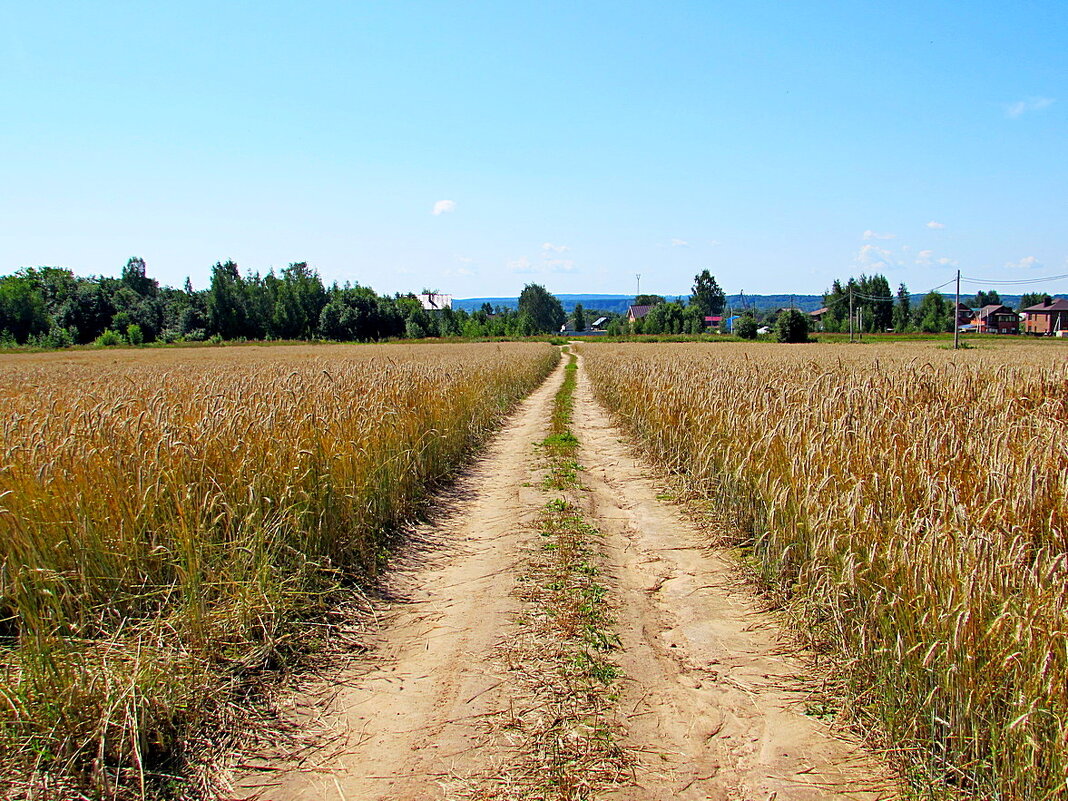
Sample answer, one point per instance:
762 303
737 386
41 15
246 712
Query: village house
1046 319
997 319
965 316
637 312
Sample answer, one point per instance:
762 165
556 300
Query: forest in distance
51 307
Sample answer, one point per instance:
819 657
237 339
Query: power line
988 281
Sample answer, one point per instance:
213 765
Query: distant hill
619 303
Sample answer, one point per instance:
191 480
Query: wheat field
906 505
172 521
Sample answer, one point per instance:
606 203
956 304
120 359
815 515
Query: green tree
227 304
665 318
135 277
902 310
707 296
1034 298
933 314
544 311
22 308
746 327
984 298
649 300
791 326
580 317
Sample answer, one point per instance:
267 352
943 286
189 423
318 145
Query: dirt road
709 707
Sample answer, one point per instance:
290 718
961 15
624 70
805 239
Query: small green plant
109 339
134 335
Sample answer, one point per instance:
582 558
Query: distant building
997 319
433 301
713 321
598 324
965 316
1046 319
637 312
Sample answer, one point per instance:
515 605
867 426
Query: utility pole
851 314
636 294
956 322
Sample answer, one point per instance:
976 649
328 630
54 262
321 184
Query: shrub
108 339
791 326
134 334
746 328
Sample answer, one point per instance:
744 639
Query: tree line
51 307
876 309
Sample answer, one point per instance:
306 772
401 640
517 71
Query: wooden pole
956 322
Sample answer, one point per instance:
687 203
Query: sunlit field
906 504
172 522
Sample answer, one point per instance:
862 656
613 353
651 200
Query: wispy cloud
1020 107
465 259
679 243
948 262
1026 263
459 272
549 247
936 225
443 207
869 234
873 256
924 256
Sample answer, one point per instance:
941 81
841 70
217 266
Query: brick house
1046 319
997 319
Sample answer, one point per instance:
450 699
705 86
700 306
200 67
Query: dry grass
907 504
171 523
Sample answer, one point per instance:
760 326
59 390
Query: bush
746 328
134 334
108 339
791 326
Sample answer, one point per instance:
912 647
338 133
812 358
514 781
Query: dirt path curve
713 705
409 718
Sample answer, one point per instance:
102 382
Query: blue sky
779 145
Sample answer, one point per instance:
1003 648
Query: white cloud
443 207
1026 263
924 256
679 243
549 247
465 259
460 272
874 256
1027 104
714 242
936 225
948 262
869 234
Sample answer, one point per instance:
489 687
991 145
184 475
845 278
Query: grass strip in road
567 731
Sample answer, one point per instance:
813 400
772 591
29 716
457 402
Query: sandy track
410 718
713 699
714 702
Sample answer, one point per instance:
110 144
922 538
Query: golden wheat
168 520
908 504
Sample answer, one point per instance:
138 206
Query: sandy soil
714 700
